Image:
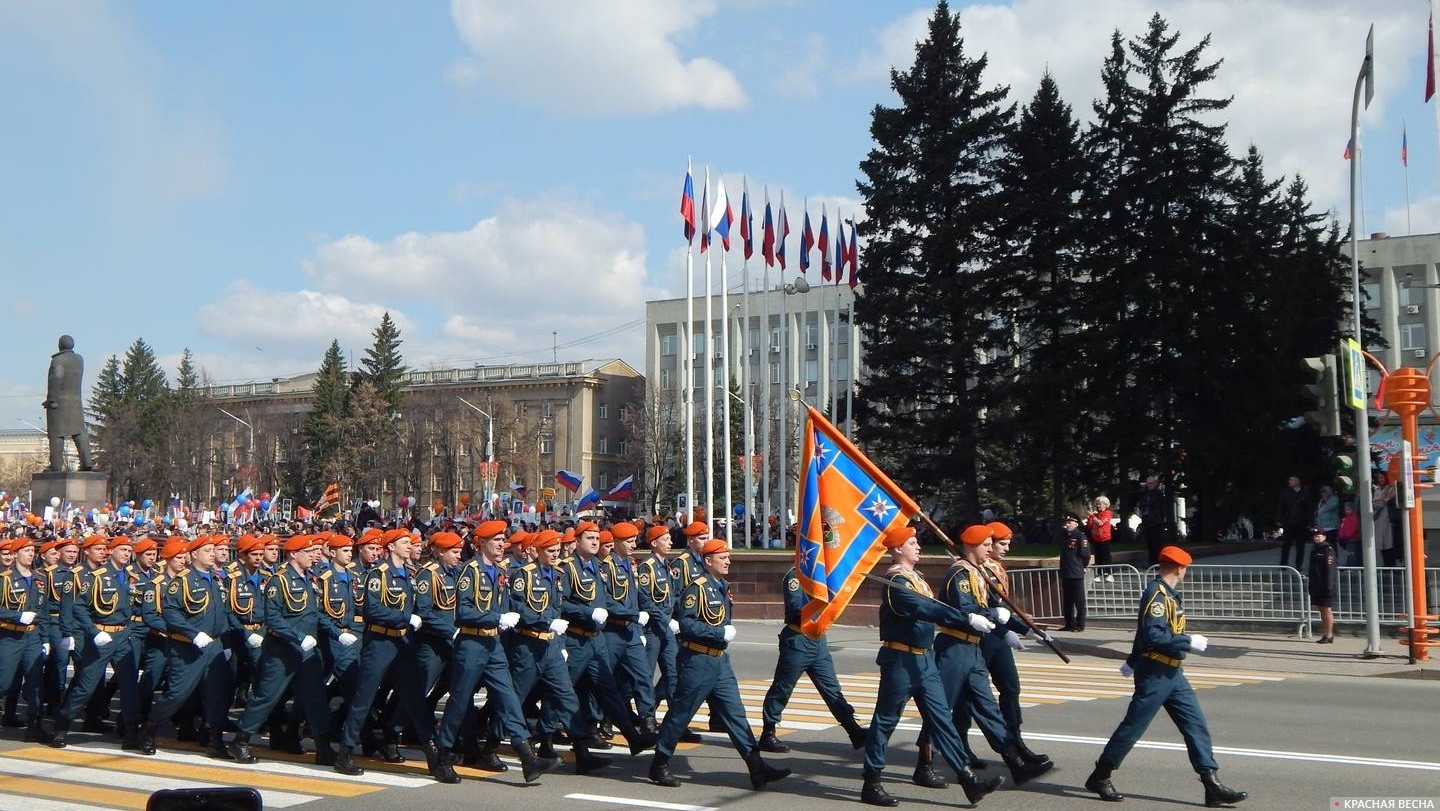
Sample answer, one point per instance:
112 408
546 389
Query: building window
1412 336
812 372
842 369
604 411
719 344
624 447
602 480
665 379
604 444
699 339
624 413
667 344
1370 293
812 336
754 339
547 409
547 444
774 373
775 339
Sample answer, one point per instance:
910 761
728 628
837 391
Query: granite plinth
83 488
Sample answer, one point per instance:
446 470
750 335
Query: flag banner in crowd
569 480
846 505
330 498
624 491
589 500
519 490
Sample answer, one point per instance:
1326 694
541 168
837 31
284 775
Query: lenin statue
64 411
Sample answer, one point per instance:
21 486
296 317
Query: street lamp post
489 479
249 449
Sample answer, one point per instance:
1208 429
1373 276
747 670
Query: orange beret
248 543
655 532
1000 531
269 540
174 546
545 538
586 526
96 540
519 539
1175 555
446 540
625 531
203 540
300 543
393 535
19 543
371 535
491 528
895 537
339 540
569 535
61 543
606 536
145 545
976 534
696 528
48 545
713 546
121 540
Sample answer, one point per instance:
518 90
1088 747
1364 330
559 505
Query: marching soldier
683 571
909 613
539 660
243 584
60 577
155 652
802 654
435 605
24 625
657 596
288 654
705 673
339 588
482 612
625 627
1156 660
194 612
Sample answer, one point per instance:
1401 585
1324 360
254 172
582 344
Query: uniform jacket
339 588
1074 553
435 599
619 576
657 588
481 595
104 598
535 595
194 602
1161 624
389 597
292 607
583 591
705 609
19 594
909 612
244 599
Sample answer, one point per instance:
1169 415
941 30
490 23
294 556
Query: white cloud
602 59
253 320
1422 218
1290 64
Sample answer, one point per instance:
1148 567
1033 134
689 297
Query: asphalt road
1292 741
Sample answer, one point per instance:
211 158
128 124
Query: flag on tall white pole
687 356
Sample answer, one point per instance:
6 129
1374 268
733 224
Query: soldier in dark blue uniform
625 627
539 659
1156 660
24 627
288 654
194 612
687 566
908 615
390 619
340 587
482 612
63 631
155 654
802 654
705 614
435 605
657 597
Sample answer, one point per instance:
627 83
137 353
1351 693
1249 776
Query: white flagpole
748 441
722 204
854 344
687 376
765 389
832 335
709 371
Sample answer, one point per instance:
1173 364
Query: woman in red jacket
1097 523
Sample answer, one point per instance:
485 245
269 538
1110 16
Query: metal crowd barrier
1350 599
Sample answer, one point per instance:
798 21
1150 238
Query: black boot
215 746
1217 793
770 743
648 724
761 772
389 749
1020 771
33 733
487 757
585 762
925 775
531 765
130 737
147 738
874 793
10 721
1099 782
639 739
438 763
96 723
660 772
54 731
345 762
546 749
239 749
286 739
974 787
856 732
691 736
324 751
1027 755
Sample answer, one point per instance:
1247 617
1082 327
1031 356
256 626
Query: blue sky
253 180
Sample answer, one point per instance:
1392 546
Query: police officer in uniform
1156 659
288 654
802 654
908 615
705 673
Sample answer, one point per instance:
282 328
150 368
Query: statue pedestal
83 488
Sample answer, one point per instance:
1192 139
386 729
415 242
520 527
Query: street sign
1355 377
1405 487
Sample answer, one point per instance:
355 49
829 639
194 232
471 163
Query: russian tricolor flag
747 227
568 480
722 216
687 207
624 491
587 501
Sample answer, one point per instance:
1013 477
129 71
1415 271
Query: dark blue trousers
904 675
481 659
701 677
799 654
1159 685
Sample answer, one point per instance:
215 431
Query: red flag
784 233
1347 154
747 238
807 241
852 255
687 207
1430 58
824 245
767 238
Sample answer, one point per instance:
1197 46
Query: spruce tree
325 424
382 364
927 191
106 394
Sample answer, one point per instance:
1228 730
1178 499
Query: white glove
1003 613
729 633
643 641
226 653
67 644
102 639
565 654
509 620
415 621
644 618
455 634
1126 670
202 639
559 626
254 640
27 617
599 615
307 644
1199 642
347 639
981 623
674 626
45 649
1013 640
1040 635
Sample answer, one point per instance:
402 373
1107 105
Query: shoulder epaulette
697 581
383 567
529 567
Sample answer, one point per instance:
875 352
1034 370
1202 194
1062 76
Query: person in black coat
1074 557
1324 582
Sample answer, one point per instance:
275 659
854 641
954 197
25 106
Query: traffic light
1322 392
1344 477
